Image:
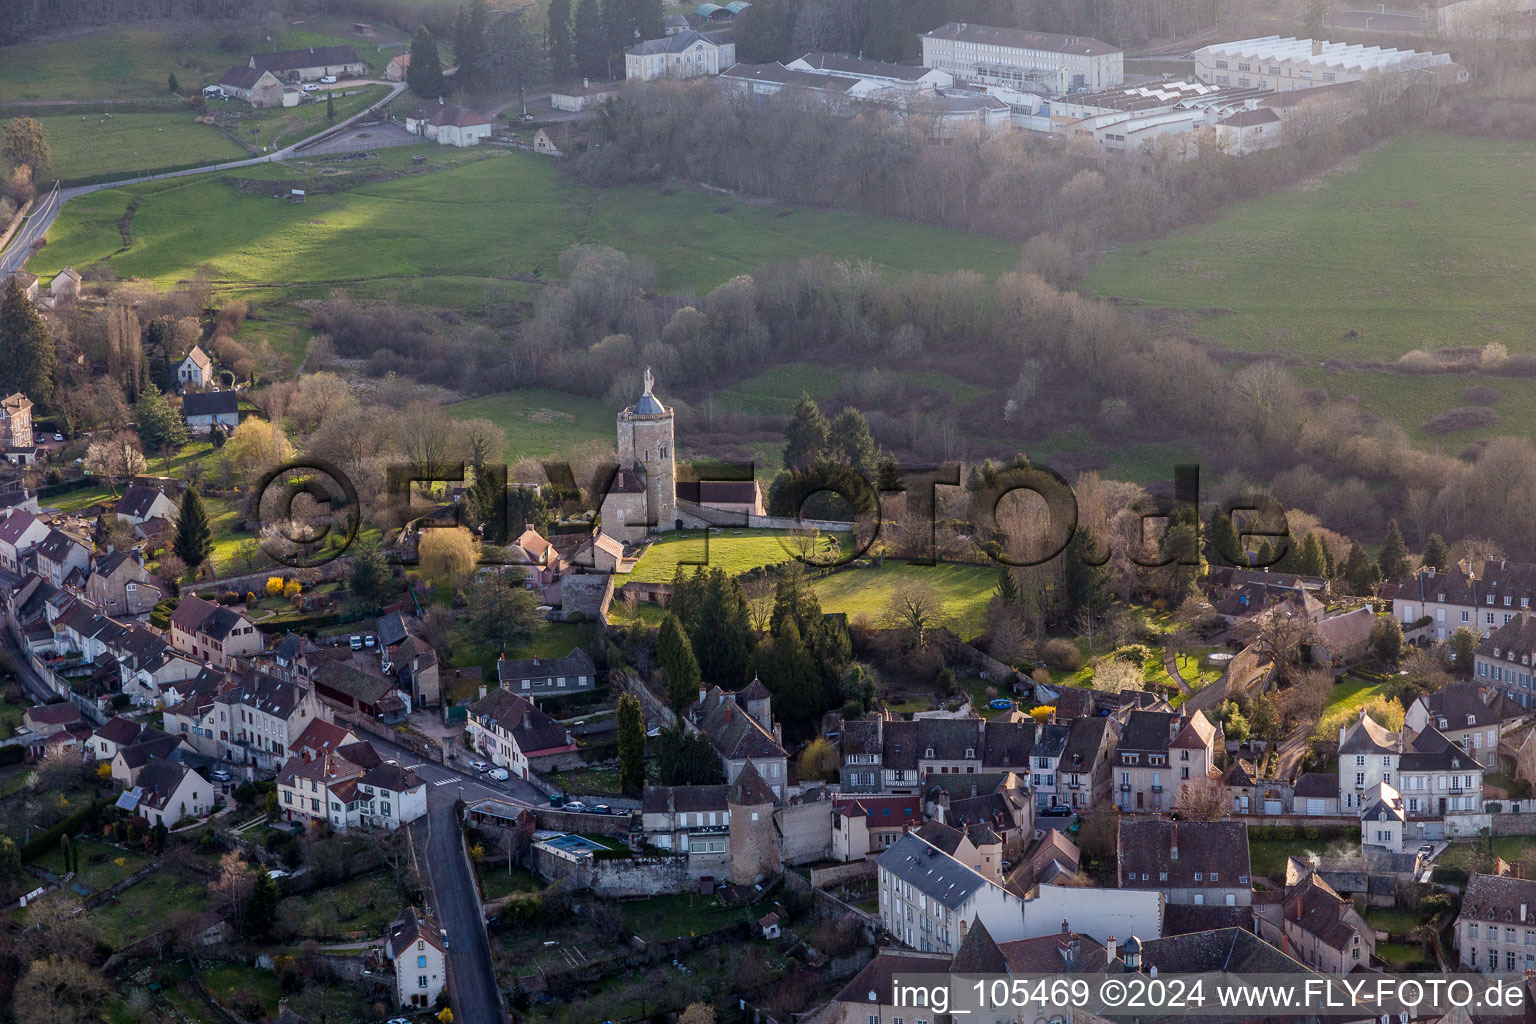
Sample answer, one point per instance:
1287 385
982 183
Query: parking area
363 138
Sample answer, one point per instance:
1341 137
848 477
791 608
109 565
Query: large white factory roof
1323 54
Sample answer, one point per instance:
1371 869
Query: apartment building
1482 597
1496 930
1473 716
1433 775
1023 60
928 900
1158 753
1504 659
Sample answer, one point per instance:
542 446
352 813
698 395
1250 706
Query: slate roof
1317 784
1316 908
1514 639
1085 739
392 629
392 777
900 746
733 733
1463 706
159 780
532 728
1046 954
56 546
978 953
119 730
210 403
1181 919
1366 736
750 788
1009 745
148 749
576 663
191 612
15 525
241 77
1499 898
361 686
877 975
1432 750
928 870
313 57
267 694
1223 949
416 924
1146 732
1217 851
672 44
683 799
941 836
843 64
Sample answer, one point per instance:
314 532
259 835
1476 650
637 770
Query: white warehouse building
1284 63
1024 60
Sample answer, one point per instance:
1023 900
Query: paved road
15 256
452 896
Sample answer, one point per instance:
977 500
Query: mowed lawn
89 144
1426 241
962 592
491 220
734 551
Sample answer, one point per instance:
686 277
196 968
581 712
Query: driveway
364 138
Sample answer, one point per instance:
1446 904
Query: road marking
413 767
444 782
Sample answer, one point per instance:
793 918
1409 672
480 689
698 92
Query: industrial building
1284 63
1023 60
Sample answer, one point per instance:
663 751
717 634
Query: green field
89 144
540 424
963 592
506 216
735 551
1351 695
1413 398
1421 243
135 63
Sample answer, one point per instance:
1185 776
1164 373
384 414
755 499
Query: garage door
1316 806
1276 807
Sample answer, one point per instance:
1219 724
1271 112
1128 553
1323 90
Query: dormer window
1496 652
929 752
1440 598
1490 599
970 752
1445 723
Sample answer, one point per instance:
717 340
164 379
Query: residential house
195 371
1342 640
63 560
419 957
688 819
312 64
999 800
140 503
684 55
16 423
1496 929
26 281
392 795
537 555
1432 605
215 633
152 745
65 286
928 899
740 727
170 792
576 98
256 86
117 733
509 730
1434 776
49 718
1055 859
864 826
1085 770
20 532
869 997
202 720
205 410
1248 792
1324 930
548 677
321 737
1383 819
1504 660
266 715
406 656
448 124
1254 599
976 846
1045 763
1158 754
1197 863
324 789
119 584
1472 716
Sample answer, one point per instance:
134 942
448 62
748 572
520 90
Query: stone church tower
644 495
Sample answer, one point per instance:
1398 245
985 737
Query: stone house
256 86
1342 640
311 64
1157 754
754 844
548 677
1505 658
976 846
1496 929
16 422
863 826
119 584
140 503
1324 930
65 286
195 371
869 995
1085 769
1481 598
509 730
576 98
740 727
1434 776
1196 863
63 560
928 900
215 633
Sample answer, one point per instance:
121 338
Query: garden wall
554 819
624 876
822 877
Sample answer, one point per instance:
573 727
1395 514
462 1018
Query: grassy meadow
506 216
735 551
99 143
540 424
963 592
135 63
1423 242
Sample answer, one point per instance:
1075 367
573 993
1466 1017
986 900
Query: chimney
1064 929
482 691
1317 47
702 694
1173 844
1109 949
585 84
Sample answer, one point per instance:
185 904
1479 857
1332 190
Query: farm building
255 86
310 65
576 98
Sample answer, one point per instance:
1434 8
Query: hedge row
79 821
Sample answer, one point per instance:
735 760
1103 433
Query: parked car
355 641
370 640
58 437
575 805
526 117
311 87
219 775
277 873
479 766
601 809
328 80
1059 811
499 774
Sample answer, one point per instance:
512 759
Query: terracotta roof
882 811
416 924
319 736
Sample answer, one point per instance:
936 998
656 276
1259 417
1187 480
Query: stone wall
619 877
588 594
832 874
553 819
